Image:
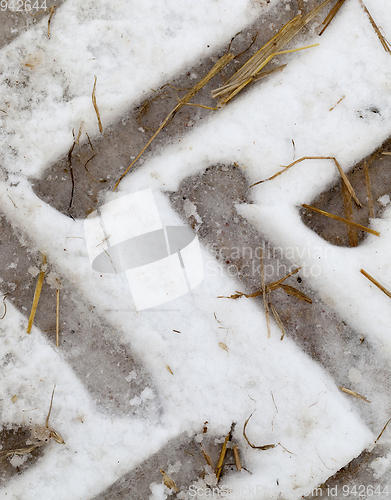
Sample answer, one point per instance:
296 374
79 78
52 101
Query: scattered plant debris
40 435
266 291
334 11
249 72
223 61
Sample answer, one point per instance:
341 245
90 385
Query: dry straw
37 293
376 283
249 72
341 219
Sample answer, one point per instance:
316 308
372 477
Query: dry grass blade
264 447
291 290
341 219
348 210
223 61
145 108
5 306
233 296
369 189
349 187
268 288
237 458
17 451
253 66
220 462
50 408
384 428
265 299
304 158
37 294
169 482
96 106
384 42
237 85
268 72
206 456
333 12
276 284
278 320
54 434
342 98
57 316
50 18
376 283
223 346
353 393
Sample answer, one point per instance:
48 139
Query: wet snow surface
135 385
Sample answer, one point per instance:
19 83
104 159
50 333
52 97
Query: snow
257 375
